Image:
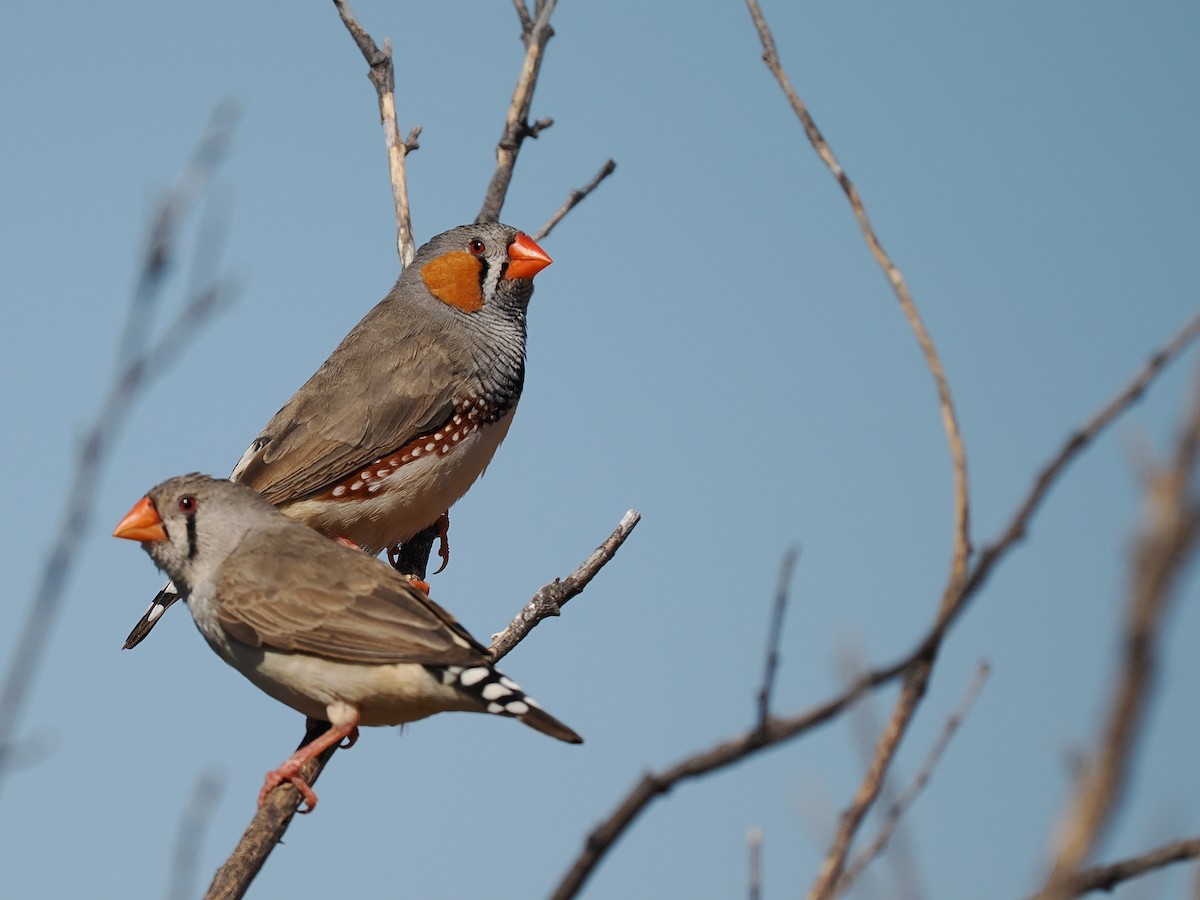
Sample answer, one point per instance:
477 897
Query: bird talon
351 740
443 527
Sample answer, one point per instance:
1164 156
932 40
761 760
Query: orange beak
142 523
526 258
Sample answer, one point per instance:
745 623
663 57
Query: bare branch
1164 549
137 363
774 635
535 33
1107 877
896 811
382 75
962 537
551 598
575 198
1083 436
914 666
914 688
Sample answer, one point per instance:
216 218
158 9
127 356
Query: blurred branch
897 809
192 829
914 665
272 819
1107 877
1164 549
138 362
775 635
575 198
754 848
382 75
535 33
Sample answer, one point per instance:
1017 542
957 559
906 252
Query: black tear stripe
191 536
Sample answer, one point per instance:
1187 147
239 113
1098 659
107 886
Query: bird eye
187 504
477 247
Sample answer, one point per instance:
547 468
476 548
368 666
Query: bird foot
422 586
290 770
443 527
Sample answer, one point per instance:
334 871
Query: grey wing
376 392
295 590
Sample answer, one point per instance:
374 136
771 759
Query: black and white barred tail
496 693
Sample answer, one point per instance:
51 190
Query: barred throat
498 694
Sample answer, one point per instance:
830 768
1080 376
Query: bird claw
289 772
351 740
443 527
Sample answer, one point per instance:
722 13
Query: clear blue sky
713 346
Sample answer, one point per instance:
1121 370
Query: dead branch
551 598
535 33
1165 547
139 360
272 819
576 197
382 75
917 680
1107 877
897 809
733 750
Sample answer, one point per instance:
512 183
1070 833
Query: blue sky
713 346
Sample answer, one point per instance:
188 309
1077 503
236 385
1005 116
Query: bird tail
159 605
496 693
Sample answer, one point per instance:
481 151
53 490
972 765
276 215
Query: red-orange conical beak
142 523
526 258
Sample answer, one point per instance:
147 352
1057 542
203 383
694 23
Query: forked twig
383 77
535 32
896 811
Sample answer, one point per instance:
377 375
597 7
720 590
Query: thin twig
897 809
1164 549
575 198
904 878
382 75
1106 877
775 635
551 598
732 750
535 32
137 363
915 684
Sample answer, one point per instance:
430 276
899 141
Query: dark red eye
187 504
477 247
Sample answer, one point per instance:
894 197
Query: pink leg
290 770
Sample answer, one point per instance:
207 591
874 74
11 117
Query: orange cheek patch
454 279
